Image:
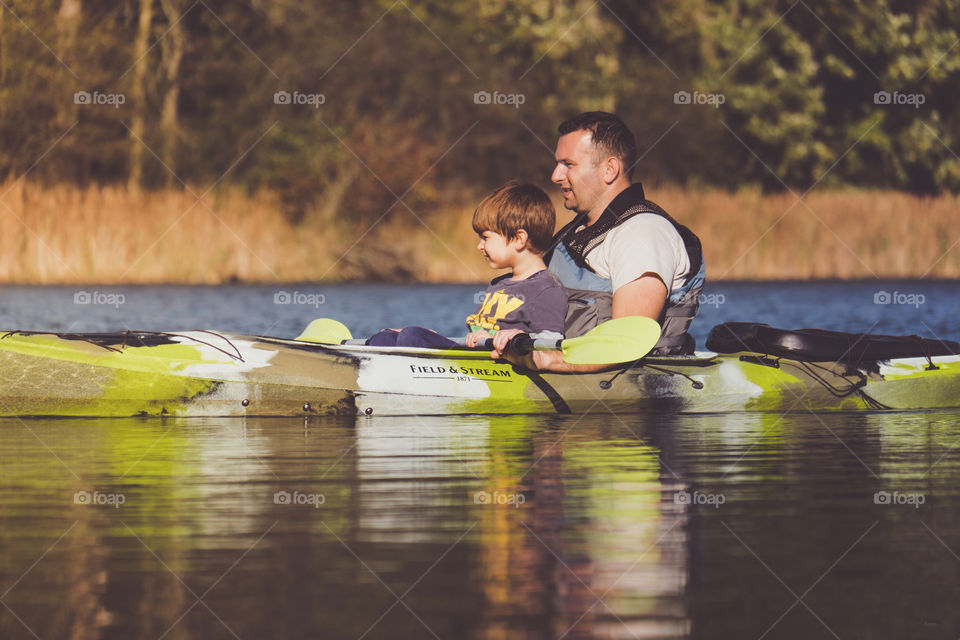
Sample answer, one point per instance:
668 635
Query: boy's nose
557 174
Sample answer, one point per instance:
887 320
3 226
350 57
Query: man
622 255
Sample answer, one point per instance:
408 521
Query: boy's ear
521 237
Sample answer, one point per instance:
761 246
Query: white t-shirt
646 243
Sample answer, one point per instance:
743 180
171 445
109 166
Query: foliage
399 124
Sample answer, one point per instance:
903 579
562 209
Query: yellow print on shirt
496 306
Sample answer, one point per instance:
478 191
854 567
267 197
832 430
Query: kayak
206 373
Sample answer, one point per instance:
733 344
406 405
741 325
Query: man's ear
612 169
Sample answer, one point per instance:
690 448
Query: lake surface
649 526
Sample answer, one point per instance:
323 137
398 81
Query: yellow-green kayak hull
202 373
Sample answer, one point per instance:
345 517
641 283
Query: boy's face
499 252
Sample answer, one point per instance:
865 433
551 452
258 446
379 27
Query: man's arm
645 296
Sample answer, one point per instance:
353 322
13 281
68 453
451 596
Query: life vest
591 296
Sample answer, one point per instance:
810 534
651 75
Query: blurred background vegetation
149 97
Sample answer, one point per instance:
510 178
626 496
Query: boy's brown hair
516 206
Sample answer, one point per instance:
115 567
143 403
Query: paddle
325 331
611 342
614 341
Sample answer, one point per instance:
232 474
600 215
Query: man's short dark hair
609 135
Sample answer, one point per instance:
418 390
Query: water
927 308
657 526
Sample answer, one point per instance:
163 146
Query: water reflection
569 529
530 527
831 525
492 527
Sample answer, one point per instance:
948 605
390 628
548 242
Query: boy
515 224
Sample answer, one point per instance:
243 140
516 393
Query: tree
395 93
138 93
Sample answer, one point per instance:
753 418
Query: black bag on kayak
820 345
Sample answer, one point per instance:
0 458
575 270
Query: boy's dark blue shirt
535 305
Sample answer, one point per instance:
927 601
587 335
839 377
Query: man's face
578 173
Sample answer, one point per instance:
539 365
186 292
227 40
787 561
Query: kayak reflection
573 531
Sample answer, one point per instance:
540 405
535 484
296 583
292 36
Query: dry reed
109 235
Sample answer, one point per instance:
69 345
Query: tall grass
109 235
843 234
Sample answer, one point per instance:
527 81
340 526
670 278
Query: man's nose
557 174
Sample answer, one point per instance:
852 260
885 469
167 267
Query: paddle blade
325 331
618 340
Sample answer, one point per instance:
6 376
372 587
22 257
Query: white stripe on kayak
905 366
398 374
254 357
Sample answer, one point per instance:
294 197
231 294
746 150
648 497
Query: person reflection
594 549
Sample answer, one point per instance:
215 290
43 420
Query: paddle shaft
614 341
522 343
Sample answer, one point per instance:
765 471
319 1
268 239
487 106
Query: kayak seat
821 345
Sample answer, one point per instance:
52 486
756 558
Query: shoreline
108 236
439 283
